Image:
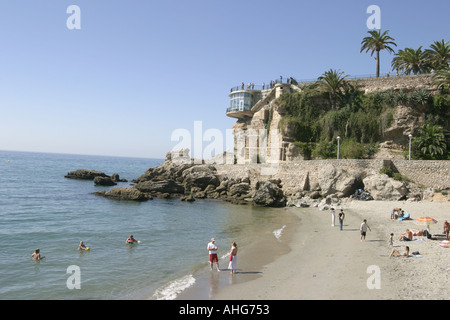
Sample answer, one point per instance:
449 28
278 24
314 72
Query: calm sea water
39 208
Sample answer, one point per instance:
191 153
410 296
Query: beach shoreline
320 262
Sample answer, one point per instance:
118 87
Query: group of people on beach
212 250
341 216
410 233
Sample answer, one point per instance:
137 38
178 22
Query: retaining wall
304 174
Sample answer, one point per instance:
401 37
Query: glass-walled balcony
241 101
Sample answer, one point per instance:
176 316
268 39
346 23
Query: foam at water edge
277 233
173 288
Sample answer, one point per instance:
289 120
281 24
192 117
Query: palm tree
376 42
438 56
410 61
432 141
441 78
333 82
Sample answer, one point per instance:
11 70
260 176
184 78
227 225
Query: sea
40 208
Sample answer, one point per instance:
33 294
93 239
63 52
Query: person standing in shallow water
233 258
212 249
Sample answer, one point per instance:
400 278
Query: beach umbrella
425 221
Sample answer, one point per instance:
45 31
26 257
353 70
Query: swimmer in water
36 255
82 246
131 239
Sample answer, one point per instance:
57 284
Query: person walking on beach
391 240
233 253
212 249
333 214
363 229
341 219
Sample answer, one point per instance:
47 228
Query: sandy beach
326 263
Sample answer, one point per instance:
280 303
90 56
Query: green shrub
386 170
351 149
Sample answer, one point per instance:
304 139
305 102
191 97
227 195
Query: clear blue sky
138 70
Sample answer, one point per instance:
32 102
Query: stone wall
429 173
303 175
405 83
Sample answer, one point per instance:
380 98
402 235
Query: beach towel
405 217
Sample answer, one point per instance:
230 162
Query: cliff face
396 124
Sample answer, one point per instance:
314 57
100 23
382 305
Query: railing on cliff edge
291 80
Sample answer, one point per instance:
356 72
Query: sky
138 71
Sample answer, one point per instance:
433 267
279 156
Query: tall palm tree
410 61
333 82
438 55
376 42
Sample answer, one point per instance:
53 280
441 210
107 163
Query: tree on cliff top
333 82
376 42
438 56
411 61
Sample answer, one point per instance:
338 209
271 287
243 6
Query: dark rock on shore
268 194
84 174
124 194
104 181
161 186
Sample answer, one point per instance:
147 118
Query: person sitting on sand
447 229
131 239
36 255
406 236
417 232
406 254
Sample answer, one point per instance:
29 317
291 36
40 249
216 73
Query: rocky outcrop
85 174
381 187
323 184
268 194
104 181
124 194
160 186
334 180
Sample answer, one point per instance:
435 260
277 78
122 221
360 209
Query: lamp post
410 136
338 138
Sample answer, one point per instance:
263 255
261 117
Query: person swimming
36 255
82 246
130 240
